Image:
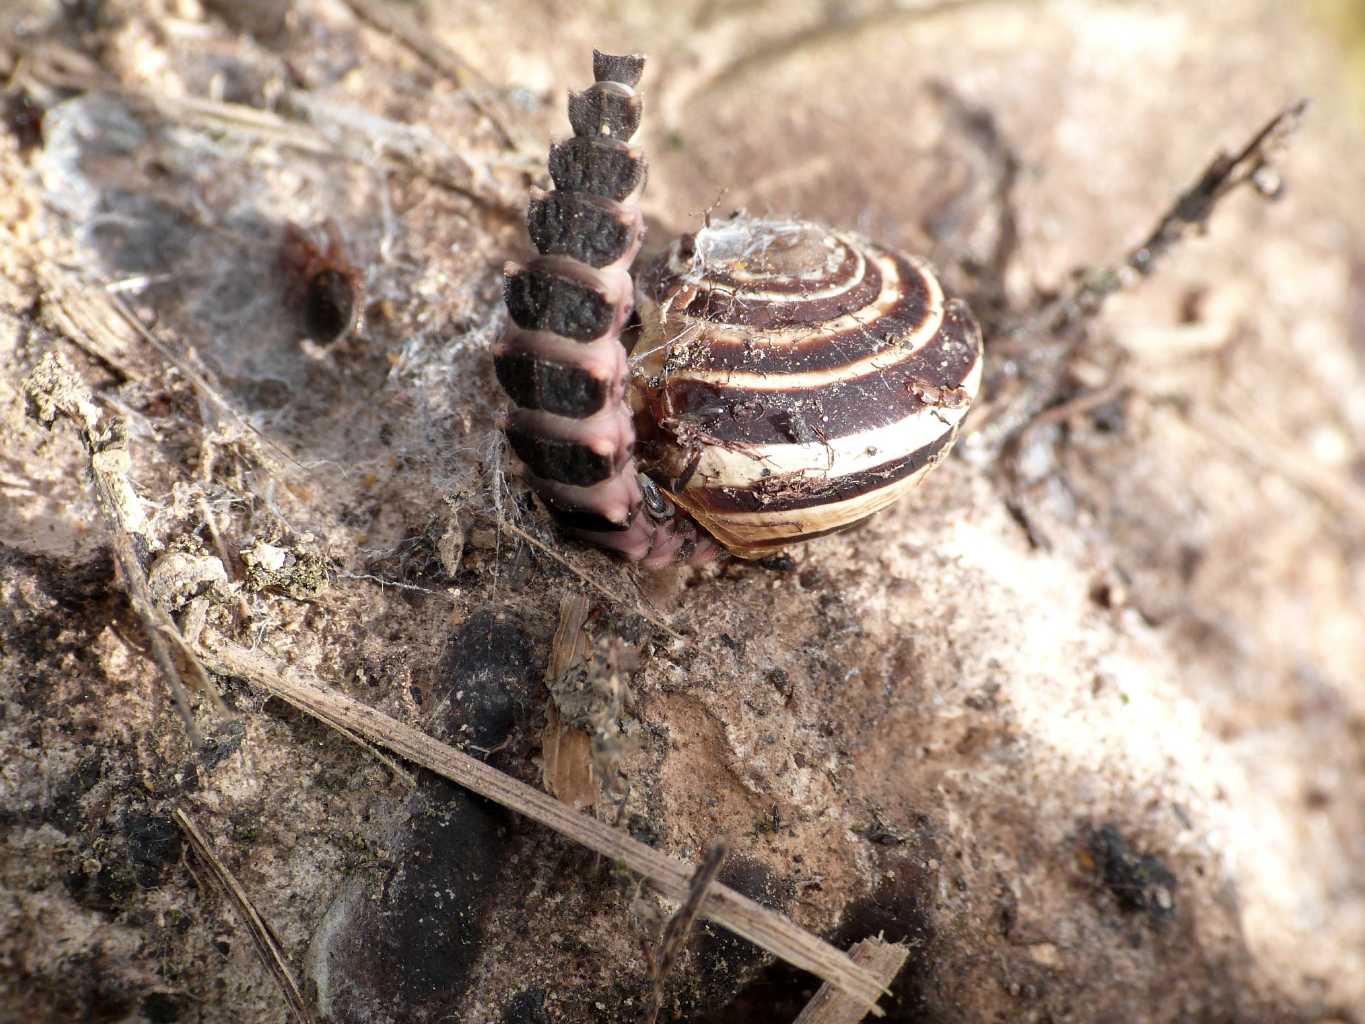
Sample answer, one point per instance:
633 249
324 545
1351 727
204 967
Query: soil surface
1082 721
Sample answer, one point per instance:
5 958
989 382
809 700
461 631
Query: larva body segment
562 361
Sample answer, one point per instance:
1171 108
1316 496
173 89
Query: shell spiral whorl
802 378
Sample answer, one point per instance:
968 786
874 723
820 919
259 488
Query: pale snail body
791 379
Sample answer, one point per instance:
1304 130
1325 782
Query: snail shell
791 379
801 378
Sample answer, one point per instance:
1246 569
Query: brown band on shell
719 305
739 351
760 547
780 281
928 378
800 378
785 302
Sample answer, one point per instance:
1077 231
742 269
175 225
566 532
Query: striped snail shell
790 379
802 378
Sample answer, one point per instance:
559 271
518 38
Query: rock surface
1085 727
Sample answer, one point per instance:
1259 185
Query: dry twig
679 926
741 915
54 389
82 314
830 1006
1045 341
1253 165
263 937
566 749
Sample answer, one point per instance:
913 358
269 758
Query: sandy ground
1083 725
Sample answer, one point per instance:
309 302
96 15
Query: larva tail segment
562 361
625 69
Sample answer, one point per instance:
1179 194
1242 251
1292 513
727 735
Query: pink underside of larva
657 544
655 540
609 432
613 498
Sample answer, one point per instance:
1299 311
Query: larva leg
562 361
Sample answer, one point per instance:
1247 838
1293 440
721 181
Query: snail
789 379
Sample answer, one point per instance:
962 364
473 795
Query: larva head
796 379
